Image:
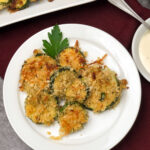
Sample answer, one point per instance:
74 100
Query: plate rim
138 78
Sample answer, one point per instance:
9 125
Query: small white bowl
135 50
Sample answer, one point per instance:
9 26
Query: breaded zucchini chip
72 118
72 57
35 72
41 108
123 85
4 3
90 73
2 6
105 88
77 91
61 80
18 4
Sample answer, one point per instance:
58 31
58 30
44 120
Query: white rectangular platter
36 9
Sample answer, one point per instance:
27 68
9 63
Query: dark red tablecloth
104 16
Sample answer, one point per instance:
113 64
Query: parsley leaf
56 43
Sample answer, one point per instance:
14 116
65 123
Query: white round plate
104 130
135 50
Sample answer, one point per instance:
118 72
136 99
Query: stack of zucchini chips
70 79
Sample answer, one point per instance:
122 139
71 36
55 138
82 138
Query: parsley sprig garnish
56 43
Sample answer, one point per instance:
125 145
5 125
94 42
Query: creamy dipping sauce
144 50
